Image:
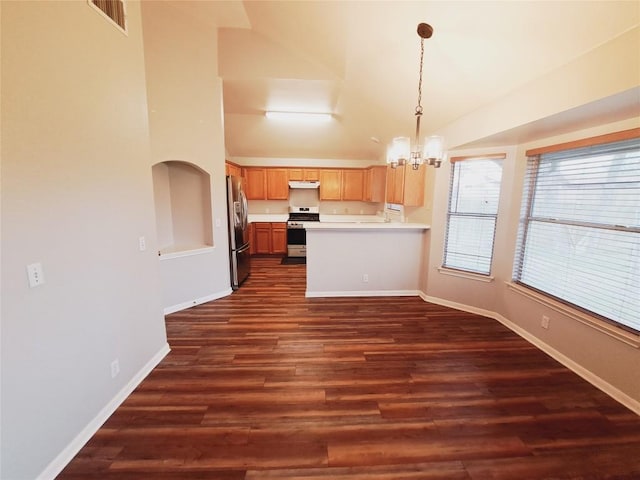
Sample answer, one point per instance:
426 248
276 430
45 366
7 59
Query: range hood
301 184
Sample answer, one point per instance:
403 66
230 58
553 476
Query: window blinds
579 237
471 219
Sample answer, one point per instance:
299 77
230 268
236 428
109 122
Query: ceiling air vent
113 9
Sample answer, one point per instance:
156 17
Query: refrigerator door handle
245 210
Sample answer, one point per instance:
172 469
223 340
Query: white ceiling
360 60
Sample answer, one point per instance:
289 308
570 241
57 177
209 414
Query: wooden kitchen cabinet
330 184
262 237
279 237
375 183
233 169
304 174
267 183
311 174
277 184
252 239
255 183
269 238
352 184
405 186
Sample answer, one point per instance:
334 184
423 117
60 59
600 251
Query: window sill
468 275
618 333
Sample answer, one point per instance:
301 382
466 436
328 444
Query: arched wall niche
182 196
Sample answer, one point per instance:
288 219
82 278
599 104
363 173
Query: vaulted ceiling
359 60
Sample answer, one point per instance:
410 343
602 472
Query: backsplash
326 207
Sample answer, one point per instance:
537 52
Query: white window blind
473 209
579 238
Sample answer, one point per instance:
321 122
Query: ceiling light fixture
298 116
431 151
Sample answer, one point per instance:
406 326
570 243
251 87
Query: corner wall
186 124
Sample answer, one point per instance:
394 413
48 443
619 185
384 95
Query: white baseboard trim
70 451
364 293
196 301
631 403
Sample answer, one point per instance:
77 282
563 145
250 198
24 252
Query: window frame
456 270
534 157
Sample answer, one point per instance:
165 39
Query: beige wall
185 118
76 197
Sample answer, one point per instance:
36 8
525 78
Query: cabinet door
296 174
311 174
277 184
414 185
278 238
352 184
262 234
330 184
255 184
252 239
376 184
391 184
398 185
233 169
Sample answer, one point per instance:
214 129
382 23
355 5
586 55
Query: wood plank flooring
266 384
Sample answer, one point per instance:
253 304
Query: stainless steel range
296 233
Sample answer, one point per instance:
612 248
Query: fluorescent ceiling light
298 116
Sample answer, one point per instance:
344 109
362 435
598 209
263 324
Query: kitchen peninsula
364 258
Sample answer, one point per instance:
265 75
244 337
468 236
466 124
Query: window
579 238
473 209
113 9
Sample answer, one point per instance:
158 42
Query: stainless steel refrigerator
239 254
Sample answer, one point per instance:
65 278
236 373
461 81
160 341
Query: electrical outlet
544 323
115 368
142 244
35 274
365 277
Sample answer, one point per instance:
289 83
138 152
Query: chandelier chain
419 106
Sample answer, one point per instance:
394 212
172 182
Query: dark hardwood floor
266 384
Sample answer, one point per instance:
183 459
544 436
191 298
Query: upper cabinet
346 184
277 184
304 174
375 183
405 186
256 183
330 184
266 183
233 169
352 184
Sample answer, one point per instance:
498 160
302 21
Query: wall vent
112 9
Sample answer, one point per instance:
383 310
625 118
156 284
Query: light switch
142 244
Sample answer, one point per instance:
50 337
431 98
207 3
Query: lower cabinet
279 238
269 238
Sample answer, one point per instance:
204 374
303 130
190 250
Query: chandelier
431 151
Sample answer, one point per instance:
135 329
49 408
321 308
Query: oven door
296 242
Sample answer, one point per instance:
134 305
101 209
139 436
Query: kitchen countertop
342 222
366 225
